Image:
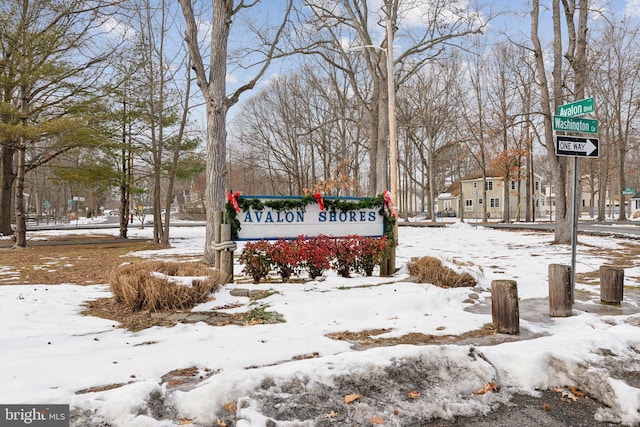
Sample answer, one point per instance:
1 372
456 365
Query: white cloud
632 9
231 78
425 12
113 27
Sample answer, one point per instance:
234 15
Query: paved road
610 228
622 229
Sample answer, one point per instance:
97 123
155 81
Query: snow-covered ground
49 353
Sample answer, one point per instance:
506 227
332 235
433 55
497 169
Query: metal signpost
576 147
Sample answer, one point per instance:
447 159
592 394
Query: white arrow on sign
590 147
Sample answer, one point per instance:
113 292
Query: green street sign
573 124
629 191
578 108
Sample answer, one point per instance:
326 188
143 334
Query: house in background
467 194
634 209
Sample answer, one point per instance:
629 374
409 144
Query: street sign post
578 108
573 124
578 147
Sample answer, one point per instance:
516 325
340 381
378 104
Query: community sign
287 217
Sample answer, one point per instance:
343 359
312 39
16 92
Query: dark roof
453 189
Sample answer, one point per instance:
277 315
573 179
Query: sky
49 352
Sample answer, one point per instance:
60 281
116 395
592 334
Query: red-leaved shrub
285 257
370 253
255 259
315 254
345 255
351 254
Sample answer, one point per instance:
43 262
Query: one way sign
573 146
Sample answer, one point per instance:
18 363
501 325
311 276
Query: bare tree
351 31
428 112
211 80
304 127
551 96
523 67
166 101
616 84
478 137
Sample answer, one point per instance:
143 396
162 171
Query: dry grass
158 285
367 339
430 270
80 264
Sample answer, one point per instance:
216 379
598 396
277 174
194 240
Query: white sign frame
271 224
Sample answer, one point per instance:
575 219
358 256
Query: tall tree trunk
21 222
124 178
7 177
377 138
214 92
174 160
558 165
382 157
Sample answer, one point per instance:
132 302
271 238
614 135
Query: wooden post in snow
226 254
611 284
560 292
505 310
223 247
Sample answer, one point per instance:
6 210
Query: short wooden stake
505 311
611 284
560 293
226 255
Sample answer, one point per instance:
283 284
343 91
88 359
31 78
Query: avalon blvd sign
312 220
578 108
579 147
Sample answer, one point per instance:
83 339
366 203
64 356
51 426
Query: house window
447 204
495 202
489 185
513 185
475 185
537 185
479 201
468 205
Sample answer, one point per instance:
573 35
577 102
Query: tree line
99 98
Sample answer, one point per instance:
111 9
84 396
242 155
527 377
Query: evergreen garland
330 204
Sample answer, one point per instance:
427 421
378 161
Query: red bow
388 203
319 200
232 199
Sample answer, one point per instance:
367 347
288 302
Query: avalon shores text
274 217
